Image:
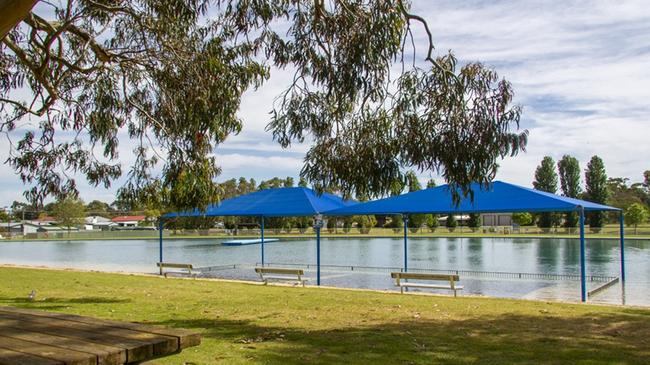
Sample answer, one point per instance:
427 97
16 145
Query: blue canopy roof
498 197
280 202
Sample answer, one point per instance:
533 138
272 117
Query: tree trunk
13 11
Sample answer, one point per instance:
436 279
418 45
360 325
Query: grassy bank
252 324
608 232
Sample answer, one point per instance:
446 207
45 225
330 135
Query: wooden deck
32 337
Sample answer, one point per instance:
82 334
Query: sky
579 69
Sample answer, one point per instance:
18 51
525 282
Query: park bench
181 268
274 273
400 278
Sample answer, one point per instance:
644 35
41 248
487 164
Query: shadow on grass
503 339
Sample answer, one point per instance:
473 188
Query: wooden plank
10 357
602 287
184 337
139 345
106 355
270 270
423 276
67 356
431 286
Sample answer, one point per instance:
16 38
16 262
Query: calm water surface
556 256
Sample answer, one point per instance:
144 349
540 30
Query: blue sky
579 69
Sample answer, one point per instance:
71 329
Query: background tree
569 172
522 219
303 183
636 214
303 223
622 194
474 220
365 222
451 222
347 223
546 180
396 223
288 182
4 216
431 219
331 224
170 75
69 212
432 222
596 190
416 221
23 210
98 207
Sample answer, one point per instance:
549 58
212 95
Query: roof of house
129 218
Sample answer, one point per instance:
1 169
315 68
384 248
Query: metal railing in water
464 273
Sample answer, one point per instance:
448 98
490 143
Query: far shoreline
168 237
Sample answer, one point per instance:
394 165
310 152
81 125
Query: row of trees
633 199
565 176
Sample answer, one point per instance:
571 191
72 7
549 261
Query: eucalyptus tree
569 172
169 76
596 189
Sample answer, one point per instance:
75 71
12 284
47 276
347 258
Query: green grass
252 324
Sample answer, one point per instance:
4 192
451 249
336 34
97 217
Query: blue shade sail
280 202
498 197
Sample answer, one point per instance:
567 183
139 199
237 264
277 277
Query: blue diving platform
253 241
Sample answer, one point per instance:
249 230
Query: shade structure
497 197
278 202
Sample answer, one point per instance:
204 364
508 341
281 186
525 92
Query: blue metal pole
262 243
621 220
318 256
160 241
583 274
406 221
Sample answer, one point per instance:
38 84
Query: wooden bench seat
182 268
400 278
281 274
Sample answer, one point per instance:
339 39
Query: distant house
98 223
460 218
128 221
496 219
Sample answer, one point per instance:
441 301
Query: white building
98 223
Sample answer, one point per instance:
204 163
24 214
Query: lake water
366 262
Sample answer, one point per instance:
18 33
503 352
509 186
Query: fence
464 273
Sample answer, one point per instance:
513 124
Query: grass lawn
252 324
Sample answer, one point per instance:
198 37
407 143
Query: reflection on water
531 255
